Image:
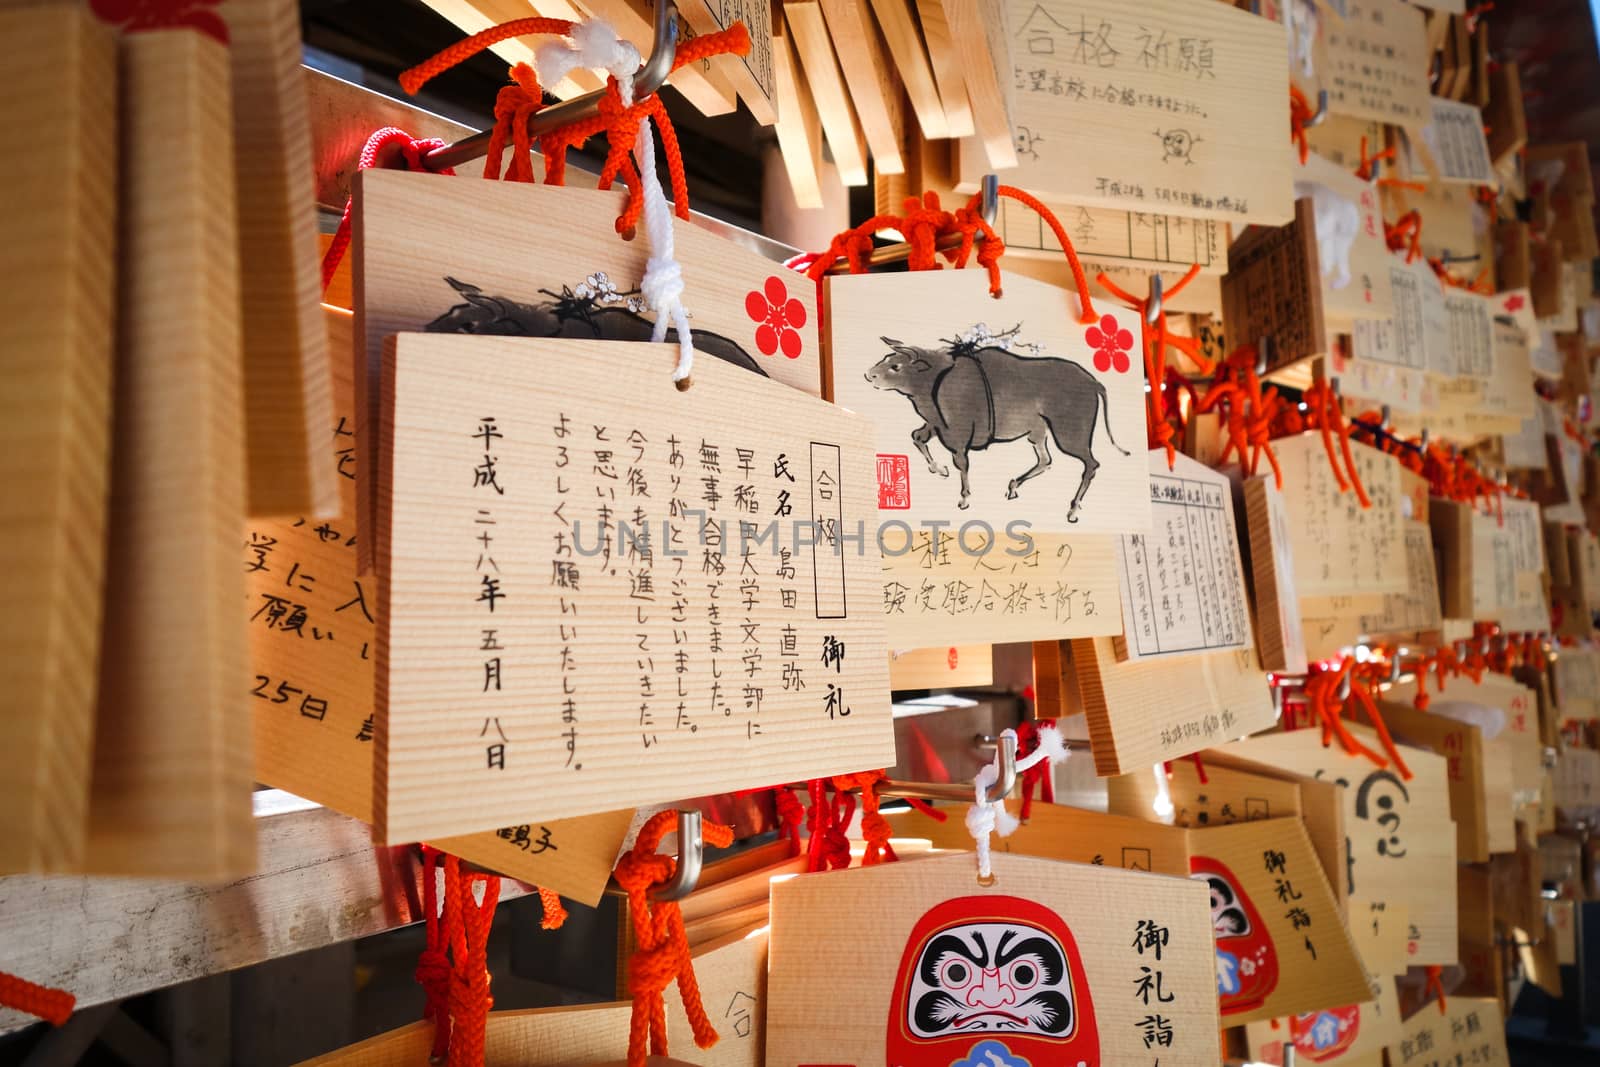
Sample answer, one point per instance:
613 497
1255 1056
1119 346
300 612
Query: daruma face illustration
991 981
1247 962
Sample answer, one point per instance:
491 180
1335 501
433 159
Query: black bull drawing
971 400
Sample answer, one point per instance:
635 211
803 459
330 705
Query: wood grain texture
874 90
1145 712
312 650
1160 112
904 40
1409 864
56 310
926 356
945 58
751 75
948 667
1378 62
983 46
1472 1027
634 739
830 943
1462 746
523 255
171 785
1060 832
537 1037
1141 239
1375 1023
798 128
1273 288
287 383
1280 639
1341 548
1317 964
475 16
702 83
1351 252
732 974
846 142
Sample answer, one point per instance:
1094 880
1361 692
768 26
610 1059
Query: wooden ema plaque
752 75
1182 584
1280 638
744 584
949 588
1577 679
1471 1030
1353 1035
1141 239
286 376
1351 252
1341 548
985 45
1159 112
1378 60
472 256
994 416
1273 288
56 316
1461 744
1452 146
950 667
533 1037
898 951
1142 712
868 71
312 651
1060 832
808 33
171 785
1399 848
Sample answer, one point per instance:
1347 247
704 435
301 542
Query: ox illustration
973 394
605 315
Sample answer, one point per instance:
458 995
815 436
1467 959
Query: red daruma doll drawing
1247 962
991 981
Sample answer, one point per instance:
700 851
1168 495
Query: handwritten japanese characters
532 516
1133 238
942 588
1159 110
1378 59
1273 287
1122 960
1455 146
1339 546
311 626
994 417
1182 584
1470 1031
1351 252
528 260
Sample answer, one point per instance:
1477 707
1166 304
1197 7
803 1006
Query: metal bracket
960 791
691 858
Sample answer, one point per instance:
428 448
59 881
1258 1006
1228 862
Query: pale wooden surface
171 781
1577 683
833 944
1124 238
1339 546
798 128
1462 746
1405 615
1144 712
1451 147
946 667
1060 832
1182 585
928 311
287 386
732 973
536 1037
56 309
700 83
1280 640
947 71
874 91
313 682
514 241
1063 587
1377 1024
1307 979
1273 288
983 48
475 16
1415 870
1203 154
1470 1026
1378 64
751 75
1367 292
903 37
1450 523
435 775
825 81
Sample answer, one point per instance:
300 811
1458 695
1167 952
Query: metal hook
1263 351
990 204
1424 439
1333 387
691 858
1394 669
1321 114
1152 307
1277 703
960 791
1383 415
1344 687
652 75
